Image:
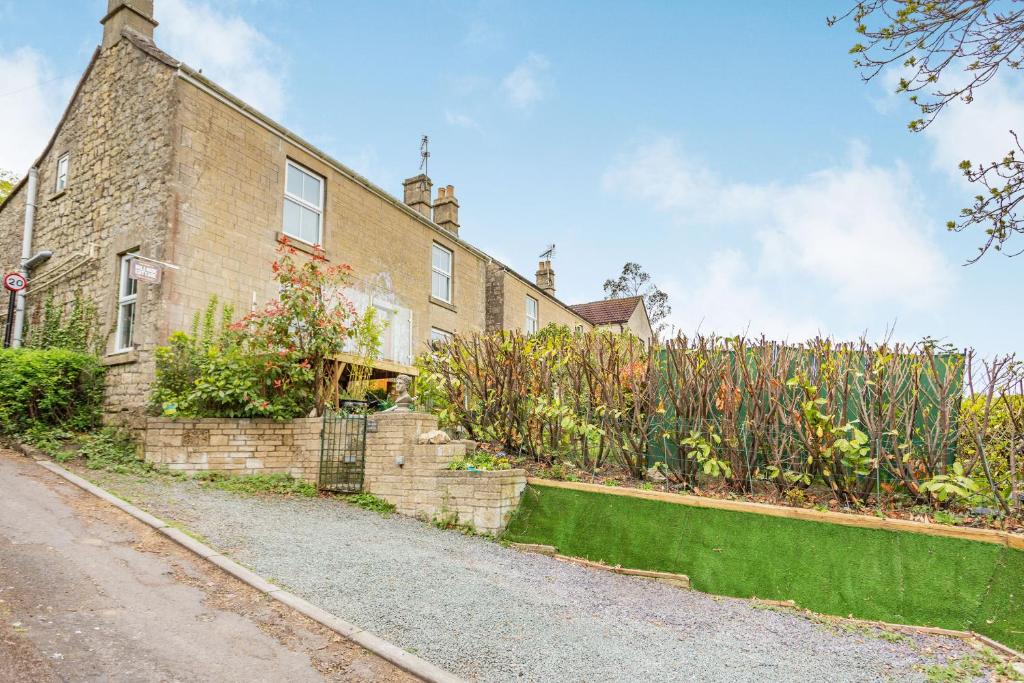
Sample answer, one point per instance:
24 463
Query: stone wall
415 476
117 135
235 446
412 476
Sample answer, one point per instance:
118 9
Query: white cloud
526 84
461 120
724 299
854 236
980 130
31 101
227 48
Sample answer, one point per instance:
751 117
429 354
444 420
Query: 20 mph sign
14 282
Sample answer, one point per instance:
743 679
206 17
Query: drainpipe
26 254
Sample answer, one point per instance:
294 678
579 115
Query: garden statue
403 401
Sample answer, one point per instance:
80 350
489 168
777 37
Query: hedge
898 577
53 387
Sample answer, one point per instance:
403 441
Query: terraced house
153 163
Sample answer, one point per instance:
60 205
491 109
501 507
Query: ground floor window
127 296
439 336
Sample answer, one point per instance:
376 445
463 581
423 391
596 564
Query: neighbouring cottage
153 162
618 315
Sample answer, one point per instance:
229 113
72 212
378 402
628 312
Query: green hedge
54 387
889 576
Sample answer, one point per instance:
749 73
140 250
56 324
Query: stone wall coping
262 421
486 474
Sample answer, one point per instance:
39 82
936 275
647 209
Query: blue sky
729 148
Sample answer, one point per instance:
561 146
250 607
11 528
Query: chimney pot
446 209
546 278
136 15
417 193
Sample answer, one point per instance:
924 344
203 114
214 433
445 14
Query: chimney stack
417 193
546 277
446 209
121 14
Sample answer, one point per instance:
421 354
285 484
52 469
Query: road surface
88 593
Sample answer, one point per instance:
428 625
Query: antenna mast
548 253
425 155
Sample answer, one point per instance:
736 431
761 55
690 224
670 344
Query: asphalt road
87 594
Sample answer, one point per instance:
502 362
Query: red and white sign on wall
14 282
144 271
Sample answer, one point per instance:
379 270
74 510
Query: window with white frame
439 336
303 204
127 296
532 320
62 172
441 274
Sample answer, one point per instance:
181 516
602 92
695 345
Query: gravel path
489 613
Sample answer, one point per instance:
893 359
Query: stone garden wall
413 476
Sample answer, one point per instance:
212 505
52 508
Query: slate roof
608 311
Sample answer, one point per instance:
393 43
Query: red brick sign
144 271
14 282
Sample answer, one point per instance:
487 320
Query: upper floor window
532 319
303 204
62 172
441 274
127 295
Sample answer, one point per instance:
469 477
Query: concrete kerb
385 650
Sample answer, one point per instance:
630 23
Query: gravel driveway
489 613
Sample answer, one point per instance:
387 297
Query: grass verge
253 484
867 573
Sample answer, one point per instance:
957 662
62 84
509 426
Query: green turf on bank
872 574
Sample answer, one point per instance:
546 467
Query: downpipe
26 255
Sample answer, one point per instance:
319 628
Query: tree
945 50
634 281
7 182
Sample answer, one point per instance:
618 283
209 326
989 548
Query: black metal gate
343 448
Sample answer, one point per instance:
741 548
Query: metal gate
343 448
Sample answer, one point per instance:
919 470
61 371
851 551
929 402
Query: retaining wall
414 477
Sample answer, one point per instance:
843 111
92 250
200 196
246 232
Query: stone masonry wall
117 133
235 446
414 477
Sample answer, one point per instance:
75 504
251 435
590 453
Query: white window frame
62 174
447 275
532 321
318 210
439 335
124 303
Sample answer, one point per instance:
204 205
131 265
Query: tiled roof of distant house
608 311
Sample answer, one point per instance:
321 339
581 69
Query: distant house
628 314
153 162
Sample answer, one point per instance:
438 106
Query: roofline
193 77
56 130
639 300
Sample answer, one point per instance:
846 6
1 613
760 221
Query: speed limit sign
14 282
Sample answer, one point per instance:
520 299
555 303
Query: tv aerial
548 253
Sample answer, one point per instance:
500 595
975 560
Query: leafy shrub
277 483
53 387
276 361
480 460
112 450
368 501
70 327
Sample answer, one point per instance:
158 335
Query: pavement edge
406 661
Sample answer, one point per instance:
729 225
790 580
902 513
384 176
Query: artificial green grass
890 576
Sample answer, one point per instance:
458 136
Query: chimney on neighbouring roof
546 277
446 209
121 14
417 193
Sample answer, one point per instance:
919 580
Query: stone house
618 315
153 163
